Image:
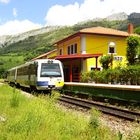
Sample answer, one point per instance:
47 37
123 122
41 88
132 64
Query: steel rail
114 111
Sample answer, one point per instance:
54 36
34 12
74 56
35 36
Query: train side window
33 69
22 71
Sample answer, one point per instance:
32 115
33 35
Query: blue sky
20 16
33 10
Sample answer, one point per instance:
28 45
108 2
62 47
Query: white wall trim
83 44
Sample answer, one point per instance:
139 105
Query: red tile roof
45 54
97 31
104 31
74 56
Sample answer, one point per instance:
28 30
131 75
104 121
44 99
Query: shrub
94 119
106 61
85 77
125 75
134 74
132 43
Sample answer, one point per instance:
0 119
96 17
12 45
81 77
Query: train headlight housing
59 84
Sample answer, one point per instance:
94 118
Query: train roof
32 62
45 60
12 69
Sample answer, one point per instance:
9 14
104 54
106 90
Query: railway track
114 111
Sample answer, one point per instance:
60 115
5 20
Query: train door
32 74
66 74
75 74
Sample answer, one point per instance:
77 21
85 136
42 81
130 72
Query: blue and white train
41 74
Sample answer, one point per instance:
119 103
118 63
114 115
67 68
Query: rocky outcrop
134 16
117 16
9 39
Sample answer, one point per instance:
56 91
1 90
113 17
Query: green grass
10 60
1 80
40 119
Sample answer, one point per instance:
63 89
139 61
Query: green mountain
15 50
24 50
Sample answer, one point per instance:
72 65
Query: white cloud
89 9
14 12
59 15
16 26
4 1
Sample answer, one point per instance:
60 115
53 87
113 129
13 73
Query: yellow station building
81 51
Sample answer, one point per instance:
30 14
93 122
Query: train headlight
59 84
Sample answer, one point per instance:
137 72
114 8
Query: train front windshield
50 70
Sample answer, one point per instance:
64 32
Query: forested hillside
20 51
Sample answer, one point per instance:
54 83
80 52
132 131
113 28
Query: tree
132 46
106 61
137 30
2 72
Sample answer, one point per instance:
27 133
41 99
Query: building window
111 48
75 48
68 49
72 49
61 52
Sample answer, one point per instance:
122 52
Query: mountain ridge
23 47
9 39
